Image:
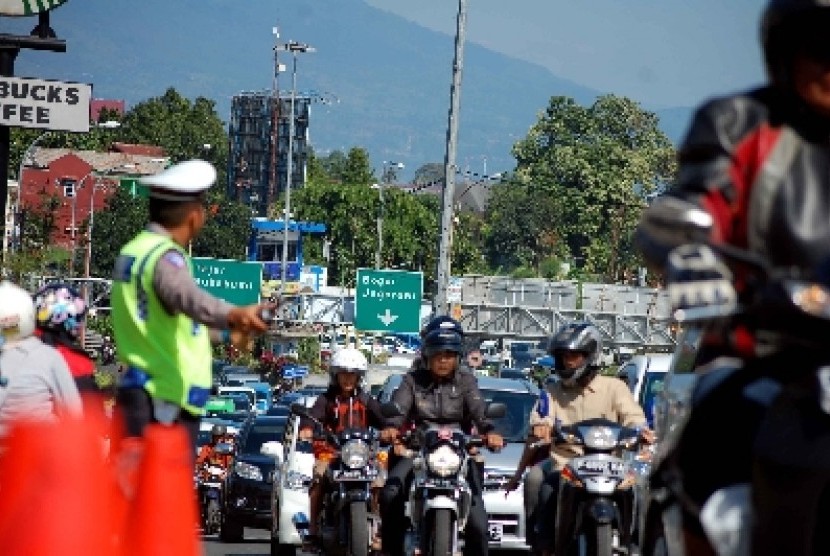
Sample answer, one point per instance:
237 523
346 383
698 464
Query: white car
289 494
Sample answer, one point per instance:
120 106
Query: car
262 391
505 514
279 409
645 375
247 390
289 494
247 500
656 523
517 374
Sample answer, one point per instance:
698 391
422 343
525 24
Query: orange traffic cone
54 495
163 513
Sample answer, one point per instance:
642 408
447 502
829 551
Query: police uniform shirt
178 292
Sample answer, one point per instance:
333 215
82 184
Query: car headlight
813 299
600 438
296 480
443 461
247 471
355 454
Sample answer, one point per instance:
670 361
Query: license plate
495 531
614 468
354 475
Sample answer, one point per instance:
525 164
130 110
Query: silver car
506 514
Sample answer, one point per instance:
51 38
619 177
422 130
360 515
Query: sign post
236 282
388 300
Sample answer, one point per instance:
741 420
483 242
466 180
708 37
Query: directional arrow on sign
387 318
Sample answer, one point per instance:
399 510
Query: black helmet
790 27
218 430
582 337
443 322
441 340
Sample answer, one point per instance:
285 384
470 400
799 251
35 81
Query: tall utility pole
294 48
439 301
274 108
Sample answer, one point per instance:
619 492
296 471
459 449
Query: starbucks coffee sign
27 7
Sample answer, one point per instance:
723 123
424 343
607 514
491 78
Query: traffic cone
53 494
163 513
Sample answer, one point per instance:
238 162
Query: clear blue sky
663 53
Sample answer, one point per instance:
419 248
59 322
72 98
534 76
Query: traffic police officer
161 318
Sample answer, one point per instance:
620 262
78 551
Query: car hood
262 461
505 460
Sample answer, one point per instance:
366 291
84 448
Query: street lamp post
294 48
388 170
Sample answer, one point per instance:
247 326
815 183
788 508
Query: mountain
386 79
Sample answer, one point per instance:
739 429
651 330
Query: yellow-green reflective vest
171 352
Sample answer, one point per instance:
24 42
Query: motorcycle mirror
673 221
390 409
224 448
496 411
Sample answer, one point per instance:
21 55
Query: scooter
596 496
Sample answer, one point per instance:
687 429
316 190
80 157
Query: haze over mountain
389 76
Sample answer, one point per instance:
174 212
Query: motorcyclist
758 162
60 313
38 385
343 405
437 394
208 454
580 394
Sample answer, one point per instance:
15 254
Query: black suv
247 497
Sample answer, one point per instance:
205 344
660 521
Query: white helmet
348 360
17 313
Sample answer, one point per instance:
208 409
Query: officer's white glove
699 284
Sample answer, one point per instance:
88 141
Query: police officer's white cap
181 182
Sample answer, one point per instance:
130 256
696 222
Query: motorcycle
439 495
211 485
787 310
596 495
349 523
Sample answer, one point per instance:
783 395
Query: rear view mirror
496 411
674 222
273 449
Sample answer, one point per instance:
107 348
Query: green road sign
27 7
234 281
388 300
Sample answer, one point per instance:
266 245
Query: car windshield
514 425
260 434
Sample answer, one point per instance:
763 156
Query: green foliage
581 180
350 212
308 352
100 323
122 218
432 173
226 231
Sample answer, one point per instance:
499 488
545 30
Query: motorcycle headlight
443 461
355 454
247 471
813 299
599 438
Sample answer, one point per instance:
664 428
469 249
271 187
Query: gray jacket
455 401
40 384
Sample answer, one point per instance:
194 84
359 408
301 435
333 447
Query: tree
591 169
122 218
430 173
226 230
350 212
357 170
